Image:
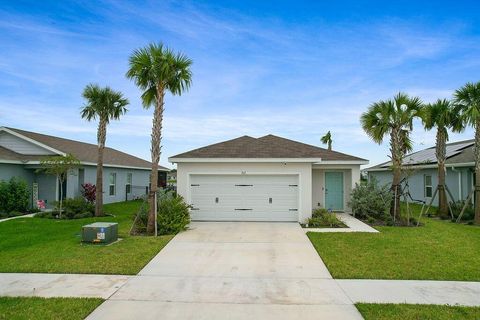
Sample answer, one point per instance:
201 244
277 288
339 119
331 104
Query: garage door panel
244 197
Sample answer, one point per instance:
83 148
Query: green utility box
100 232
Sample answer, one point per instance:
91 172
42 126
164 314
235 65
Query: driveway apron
233 270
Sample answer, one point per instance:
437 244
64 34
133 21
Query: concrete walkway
353 224
412 291
60 285
235 271
30 215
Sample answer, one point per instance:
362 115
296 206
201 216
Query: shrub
370 200
457 207
88 192
14 195
73 208
173 215
322 218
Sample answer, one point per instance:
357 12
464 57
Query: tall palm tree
104 104
327 139
156 69
442 116
467 104
393 117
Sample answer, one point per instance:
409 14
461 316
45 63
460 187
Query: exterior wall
47 184
47 188
8 171
304 170
458 180
351 176
140 178
21 146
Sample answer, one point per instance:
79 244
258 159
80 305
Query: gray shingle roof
269 146
457 152
85 152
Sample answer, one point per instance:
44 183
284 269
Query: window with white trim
112 187
128 185
427 183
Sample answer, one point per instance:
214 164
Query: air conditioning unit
100 232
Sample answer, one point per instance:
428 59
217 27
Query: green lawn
53 246
416 312
440 250
23 308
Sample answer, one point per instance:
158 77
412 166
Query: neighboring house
421 171
172 178
264 179
124 176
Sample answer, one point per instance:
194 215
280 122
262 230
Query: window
427 182
128 186
112 188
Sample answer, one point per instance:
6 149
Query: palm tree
327 139
393 117
442 116
467 104
156 70
104 104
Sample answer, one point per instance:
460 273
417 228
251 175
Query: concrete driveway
237 270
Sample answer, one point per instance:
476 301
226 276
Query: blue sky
292 68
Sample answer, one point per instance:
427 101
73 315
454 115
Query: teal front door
334 190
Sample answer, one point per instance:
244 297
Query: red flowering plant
88 192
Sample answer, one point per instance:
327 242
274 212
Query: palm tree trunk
101 137
441 154
396 150
330 145
156 151
477 172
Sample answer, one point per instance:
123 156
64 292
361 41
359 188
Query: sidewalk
412 291
49 285
360 290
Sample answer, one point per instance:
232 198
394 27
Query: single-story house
264 179
421 172
124 176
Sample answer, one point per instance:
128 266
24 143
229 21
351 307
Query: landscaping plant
14 197
467 104
321 218
59 166
442 116
369 200
157 70
393 118
173 213
73 208
89 192
106 104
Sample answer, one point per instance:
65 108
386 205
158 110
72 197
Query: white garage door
244 197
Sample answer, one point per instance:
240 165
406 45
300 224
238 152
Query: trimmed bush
14 196
368 200
73 208
173 213
457 207
321 218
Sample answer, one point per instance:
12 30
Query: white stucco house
264 179
125 176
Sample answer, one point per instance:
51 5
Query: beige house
264 179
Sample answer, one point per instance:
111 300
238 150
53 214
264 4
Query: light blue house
421 172
125 177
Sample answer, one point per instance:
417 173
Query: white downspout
460 193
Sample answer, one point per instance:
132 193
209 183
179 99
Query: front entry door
334 190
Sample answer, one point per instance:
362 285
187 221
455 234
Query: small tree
59 166
327 139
